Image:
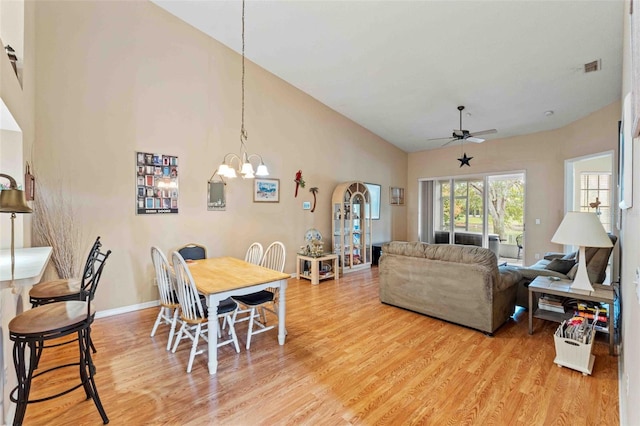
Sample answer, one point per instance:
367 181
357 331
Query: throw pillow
572 273
560 265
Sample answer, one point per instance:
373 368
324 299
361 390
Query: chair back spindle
163 277
190 305
254 254
274 257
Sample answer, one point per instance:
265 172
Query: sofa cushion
561 265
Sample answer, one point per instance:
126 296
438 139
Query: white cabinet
351 229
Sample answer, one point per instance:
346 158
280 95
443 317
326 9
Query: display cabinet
351 229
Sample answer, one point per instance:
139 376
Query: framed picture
396 196
266 190
374 193
156 185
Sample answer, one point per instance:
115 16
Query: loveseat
460 284
564 266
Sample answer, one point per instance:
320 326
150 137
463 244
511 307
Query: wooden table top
218 274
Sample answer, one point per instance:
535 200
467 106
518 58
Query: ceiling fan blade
447 143
474 139
484 132
439 139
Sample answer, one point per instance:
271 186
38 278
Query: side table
315 262
545 285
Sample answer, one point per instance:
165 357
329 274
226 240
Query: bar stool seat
55 291
52 318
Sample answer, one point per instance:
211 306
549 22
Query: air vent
593 66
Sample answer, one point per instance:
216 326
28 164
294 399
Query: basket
575 354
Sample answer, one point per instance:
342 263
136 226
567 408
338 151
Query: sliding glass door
485 211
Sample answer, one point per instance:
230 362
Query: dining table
221 277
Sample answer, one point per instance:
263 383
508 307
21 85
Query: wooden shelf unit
351 226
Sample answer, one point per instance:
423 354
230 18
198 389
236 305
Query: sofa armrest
508 277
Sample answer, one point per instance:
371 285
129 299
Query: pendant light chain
244 167
243 132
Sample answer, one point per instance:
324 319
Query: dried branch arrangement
54 225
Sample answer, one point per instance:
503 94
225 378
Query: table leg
530 312
213 303
298 260
282 331
315 272
336 271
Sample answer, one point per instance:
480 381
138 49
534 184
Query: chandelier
244 166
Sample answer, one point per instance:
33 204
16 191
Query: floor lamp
12 201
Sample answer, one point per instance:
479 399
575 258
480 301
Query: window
595 196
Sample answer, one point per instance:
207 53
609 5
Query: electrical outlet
155 282
537 256
537 221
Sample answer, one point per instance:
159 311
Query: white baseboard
127 309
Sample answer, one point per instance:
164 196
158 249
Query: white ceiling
400 68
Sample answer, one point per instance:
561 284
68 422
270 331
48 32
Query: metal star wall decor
464 160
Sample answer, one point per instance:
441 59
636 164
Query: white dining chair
194 313
254 254
169 305
257 304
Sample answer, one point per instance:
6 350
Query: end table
316 261
545 285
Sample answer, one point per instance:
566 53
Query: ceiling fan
465 134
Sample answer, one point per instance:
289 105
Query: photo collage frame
156 183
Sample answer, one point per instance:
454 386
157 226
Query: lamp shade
581 229
12 199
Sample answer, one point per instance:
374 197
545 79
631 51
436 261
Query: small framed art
396 196
266 190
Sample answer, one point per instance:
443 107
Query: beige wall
540 155
119 77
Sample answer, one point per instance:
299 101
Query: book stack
551 303
589 310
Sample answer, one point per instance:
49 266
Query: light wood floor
348 359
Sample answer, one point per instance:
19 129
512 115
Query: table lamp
581 229
12 201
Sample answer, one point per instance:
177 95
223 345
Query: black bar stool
64 289
51 321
